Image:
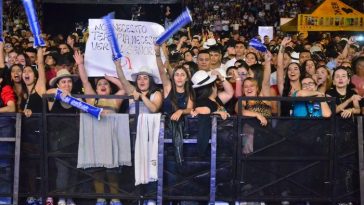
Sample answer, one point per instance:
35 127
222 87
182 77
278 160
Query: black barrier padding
295 159
7 129
192 179
346 169
65 179
31 151
289 159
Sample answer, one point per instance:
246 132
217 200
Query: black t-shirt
341 98
213 106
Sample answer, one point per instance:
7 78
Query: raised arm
238 84
83 74
345 52
266 75
40 87
2 55
167 65
121 90
228 92
162 72
129 88
280 64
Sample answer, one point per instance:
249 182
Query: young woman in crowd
178 101
209 101
103 87
309 108
63 135
22 59
323 79
17 84
144 90
177 91
251 58
253 86
35 82
309 68
347 100
188 56
243 73
288 79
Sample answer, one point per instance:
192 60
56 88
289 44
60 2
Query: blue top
182 100
306 108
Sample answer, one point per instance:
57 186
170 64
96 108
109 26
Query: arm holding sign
129 88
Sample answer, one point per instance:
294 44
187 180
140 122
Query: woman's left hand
346 113
176 115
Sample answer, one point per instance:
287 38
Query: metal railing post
361 157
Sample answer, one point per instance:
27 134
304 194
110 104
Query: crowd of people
201 74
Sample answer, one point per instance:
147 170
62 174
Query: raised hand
285 41
78 57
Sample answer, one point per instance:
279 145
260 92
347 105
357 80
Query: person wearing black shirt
347 100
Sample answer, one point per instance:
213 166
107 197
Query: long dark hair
304 73
204 92
258 71
24 91
189 92
152 86
287 84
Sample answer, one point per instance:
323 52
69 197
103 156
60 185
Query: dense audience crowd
206 70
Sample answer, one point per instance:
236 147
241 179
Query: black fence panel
290 159
31 161
7 130
286 160
346 167
66 180
191 180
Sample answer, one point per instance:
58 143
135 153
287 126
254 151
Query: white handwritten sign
136 40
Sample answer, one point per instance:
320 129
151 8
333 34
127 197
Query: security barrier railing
292 159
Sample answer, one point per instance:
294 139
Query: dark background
61 18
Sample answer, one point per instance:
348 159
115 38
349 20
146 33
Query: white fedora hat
202 78
144 71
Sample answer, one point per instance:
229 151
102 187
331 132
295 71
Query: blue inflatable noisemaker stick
177 24
116 52
92 110
255 43
33 23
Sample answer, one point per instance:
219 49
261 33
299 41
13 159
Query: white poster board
136 40
266 31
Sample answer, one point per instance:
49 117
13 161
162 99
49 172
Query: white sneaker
61 201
